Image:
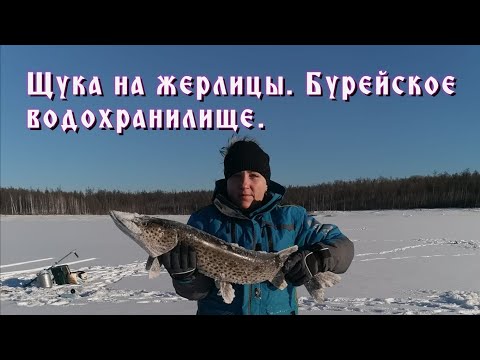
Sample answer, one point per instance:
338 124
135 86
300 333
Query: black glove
302 265
180 262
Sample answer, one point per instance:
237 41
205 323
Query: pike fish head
151 233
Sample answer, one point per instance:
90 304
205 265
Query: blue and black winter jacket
270 228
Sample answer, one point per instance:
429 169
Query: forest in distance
458 190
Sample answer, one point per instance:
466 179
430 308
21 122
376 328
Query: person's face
246 188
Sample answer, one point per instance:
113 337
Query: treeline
57 202
460 190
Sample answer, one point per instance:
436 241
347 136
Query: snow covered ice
407 262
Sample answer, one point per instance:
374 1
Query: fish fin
149 263
316 286
153 266
279 280
226 291
285 253
318 294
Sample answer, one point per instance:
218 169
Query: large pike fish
225 262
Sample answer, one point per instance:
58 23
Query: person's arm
181 264
322 248
320 237
197 288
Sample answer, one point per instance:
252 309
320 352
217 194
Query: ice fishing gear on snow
59 273
44 279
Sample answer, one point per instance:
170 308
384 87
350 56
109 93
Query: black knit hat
246 155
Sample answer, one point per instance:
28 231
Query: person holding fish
246 210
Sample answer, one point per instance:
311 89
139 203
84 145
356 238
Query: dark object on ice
60 274
72 291
51 268
44 279
63 275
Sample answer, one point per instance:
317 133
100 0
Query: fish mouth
115 215
131 225
124 222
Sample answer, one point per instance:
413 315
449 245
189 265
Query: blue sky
310 139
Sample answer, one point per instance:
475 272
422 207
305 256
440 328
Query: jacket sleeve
197 286
328 236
